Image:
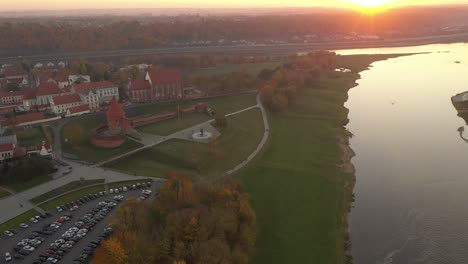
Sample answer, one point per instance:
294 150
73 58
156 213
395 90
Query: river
411 165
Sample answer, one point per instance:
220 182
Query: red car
50 251
60 220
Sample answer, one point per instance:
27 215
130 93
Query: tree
115 251
220 119
12 87
279 103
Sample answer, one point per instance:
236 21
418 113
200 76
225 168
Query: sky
21 5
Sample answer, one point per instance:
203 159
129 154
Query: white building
96 93
61 103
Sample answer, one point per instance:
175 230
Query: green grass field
21 186
252 68
3 193
237 141
299 194
226 104
87 152
65 188
167 127
32 135
22 218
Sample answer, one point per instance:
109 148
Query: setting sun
373 3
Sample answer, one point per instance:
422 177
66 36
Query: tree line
280 85
27 36
203 221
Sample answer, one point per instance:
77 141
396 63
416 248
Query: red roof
29 94
29 117
86 87
115 110
6 147
48 88
66 99
10 74
19 152
140 85
17 80
165 76
7 94
78 109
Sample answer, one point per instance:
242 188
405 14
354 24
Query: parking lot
65 236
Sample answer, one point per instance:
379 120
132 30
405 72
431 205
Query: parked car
8 233
7 257
23 225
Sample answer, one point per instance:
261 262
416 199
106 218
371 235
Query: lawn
21 186
33 135
65 188
226 104
238 140
298 192
167 127
252 68
88 152
3 193
73 196
14 222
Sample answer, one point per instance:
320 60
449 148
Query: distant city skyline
27 5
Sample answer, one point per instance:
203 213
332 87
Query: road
7 243
243 50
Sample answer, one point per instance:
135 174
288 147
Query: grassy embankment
22 218
65 188
300 194
75 195
238 139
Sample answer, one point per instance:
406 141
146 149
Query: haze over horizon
32 5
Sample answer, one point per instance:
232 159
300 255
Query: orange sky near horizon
19 5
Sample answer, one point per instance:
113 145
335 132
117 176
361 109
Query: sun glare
372 6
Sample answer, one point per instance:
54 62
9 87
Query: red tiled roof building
159 84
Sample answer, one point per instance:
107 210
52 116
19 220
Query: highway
242 49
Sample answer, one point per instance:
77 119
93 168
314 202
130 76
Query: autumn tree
220 119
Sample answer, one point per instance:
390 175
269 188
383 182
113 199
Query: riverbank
301 185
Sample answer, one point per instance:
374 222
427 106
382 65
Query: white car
125 188
33 220
111 191
23 225
59 209
8 233
29 248
74 208
7 257
52 260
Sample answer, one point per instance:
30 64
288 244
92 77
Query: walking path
266 134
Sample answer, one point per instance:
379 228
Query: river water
411 164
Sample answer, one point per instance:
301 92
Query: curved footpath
262 143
